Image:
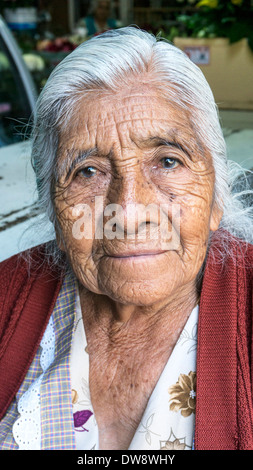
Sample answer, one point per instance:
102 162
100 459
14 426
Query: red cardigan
224 406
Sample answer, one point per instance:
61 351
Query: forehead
126 118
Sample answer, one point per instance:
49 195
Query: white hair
106 63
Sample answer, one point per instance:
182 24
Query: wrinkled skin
134 305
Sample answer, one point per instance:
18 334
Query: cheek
76 226
195 214
83 192
193 194
195 203
79 249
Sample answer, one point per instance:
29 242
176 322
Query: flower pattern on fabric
74 396
80 418
147 429
173 445
189 337
183 394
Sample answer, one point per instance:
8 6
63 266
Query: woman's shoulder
22 263
13 271
30 262
20 272
229 248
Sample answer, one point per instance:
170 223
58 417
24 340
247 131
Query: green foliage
228 19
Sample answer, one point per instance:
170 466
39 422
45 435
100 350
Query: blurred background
35 35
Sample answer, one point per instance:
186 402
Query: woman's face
121 154
102 11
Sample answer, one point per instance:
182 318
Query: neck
115 320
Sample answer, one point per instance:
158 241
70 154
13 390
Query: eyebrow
157 141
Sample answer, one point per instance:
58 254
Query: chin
142 294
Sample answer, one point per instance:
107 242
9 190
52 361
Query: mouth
136 254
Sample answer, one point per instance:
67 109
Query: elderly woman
133 330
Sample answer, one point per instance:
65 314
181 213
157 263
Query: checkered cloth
55 391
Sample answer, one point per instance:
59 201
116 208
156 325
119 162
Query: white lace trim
27 429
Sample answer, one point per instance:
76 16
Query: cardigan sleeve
28 292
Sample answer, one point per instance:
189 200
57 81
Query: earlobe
215 219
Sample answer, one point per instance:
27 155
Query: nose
133 203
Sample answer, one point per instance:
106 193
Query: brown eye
87 172
169 163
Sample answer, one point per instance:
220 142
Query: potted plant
231 19
218 37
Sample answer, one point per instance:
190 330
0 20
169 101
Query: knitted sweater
224 405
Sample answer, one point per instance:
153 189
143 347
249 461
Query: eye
169 163
87 172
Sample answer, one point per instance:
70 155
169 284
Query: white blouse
168 421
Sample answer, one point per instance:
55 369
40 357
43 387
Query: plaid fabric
57 427
56 406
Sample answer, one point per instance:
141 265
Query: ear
215 219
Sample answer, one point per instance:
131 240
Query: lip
136 254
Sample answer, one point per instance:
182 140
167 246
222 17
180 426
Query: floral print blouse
168 421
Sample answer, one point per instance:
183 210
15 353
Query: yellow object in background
208 3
